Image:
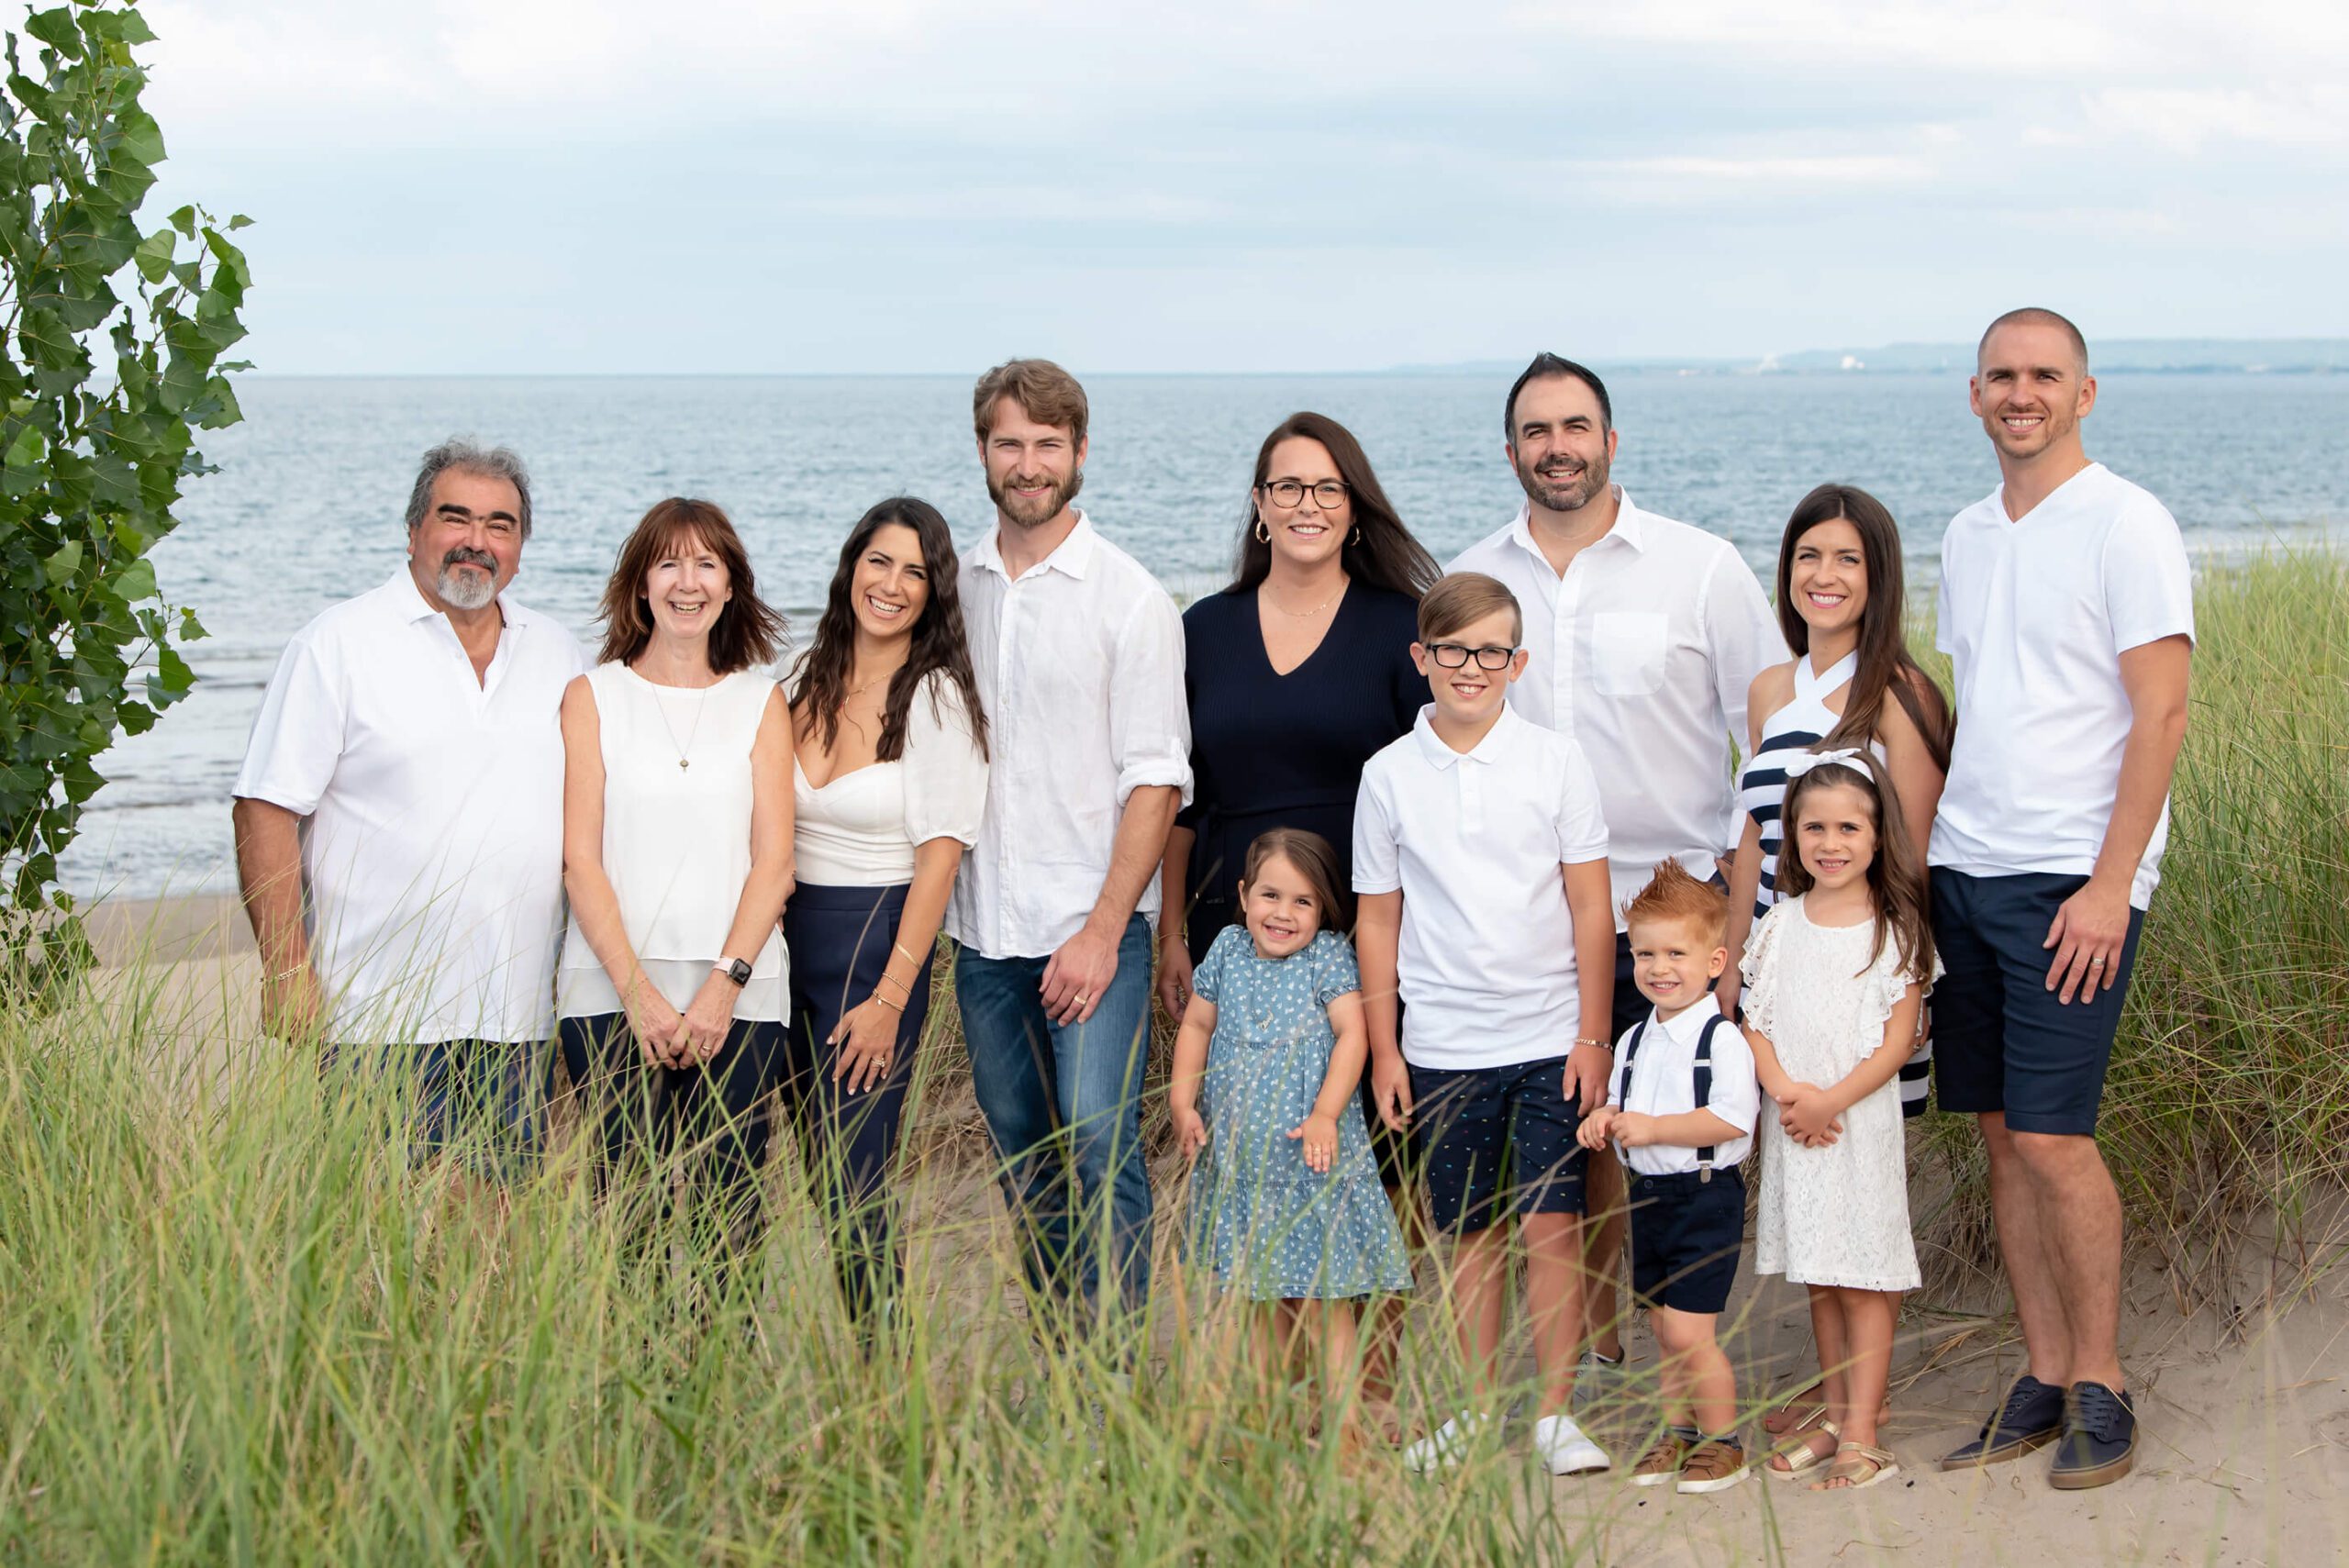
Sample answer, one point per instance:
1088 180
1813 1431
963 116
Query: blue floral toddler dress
1267 1223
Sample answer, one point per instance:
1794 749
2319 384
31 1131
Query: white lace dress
1835 1216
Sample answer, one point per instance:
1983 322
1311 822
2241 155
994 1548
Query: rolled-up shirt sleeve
945 771
297 737
1150 724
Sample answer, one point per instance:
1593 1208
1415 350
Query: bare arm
1587 897
710 1015
268 878
593 905
1378 940
1076 976
1916 780
2089 929
1190 1067
1174 911
1745 861
867 1034
1877 1068
1690 1130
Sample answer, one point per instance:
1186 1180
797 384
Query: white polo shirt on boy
1664 1082
1474 841
2036 614
431 808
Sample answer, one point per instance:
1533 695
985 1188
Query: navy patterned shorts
1498 1141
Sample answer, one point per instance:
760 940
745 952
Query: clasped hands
671 1038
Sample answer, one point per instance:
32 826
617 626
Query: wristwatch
735 969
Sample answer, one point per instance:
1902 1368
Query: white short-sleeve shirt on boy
431 808
1664 1082
2036 614
1474 841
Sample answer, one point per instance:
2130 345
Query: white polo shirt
1644 652
2036 614
432 815
1664 1082
1080 670
1474 840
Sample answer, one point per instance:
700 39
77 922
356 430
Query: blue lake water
306 509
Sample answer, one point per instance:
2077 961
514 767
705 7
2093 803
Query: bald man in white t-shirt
2067 609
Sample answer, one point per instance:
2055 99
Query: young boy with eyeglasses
1480 858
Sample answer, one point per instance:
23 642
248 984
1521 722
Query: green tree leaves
111 344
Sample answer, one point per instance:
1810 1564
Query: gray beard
465 589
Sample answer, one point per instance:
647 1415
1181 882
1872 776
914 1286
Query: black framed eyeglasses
1289 493
1454 656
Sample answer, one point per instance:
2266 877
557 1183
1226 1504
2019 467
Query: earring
1357 539
1263 534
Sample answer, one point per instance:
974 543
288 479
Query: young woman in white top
1842 604
889 786
676 831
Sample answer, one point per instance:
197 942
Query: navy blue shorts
1685 1234
1497 1140
475 1099
2001 1040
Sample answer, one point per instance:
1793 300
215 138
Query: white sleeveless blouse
676 840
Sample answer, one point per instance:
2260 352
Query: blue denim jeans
1063 1106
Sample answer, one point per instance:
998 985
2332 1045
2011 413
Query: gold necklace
1308 615
660 705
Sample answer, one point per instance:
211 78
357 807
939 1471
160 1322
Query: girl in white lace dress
1835 976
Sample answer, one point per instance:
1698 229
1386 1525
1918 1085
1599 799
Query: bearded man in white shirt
399 817
1643 636
1078 653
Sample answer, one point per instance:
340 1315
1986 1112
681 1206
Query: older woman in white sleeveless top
1842 600
674 989
889 787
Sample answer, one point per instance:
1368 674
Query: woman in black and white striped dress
1841 599
1842 602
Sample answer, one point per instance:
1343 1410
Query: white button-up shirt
1079 662
1474 840
2036 614
1643 651
1664 1082
432 815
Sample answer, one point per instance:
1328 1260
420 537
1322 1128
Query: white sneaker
1566 1448
1596 1379
1447 1445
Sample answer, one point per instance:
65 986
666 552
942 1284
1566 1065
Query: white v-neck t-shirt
2035 613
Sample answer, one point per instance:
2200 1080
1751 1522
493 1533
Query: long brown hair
1885 664
1378 549
747 632
1896 875
1311 853
819 679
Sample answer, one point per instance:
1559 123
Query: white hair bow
1803 762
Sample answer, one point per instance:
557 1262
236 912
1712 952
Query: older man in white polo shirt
1644 634
399 814
2067 611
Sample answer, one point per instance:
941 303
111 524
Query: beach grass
240 1323
2226 1107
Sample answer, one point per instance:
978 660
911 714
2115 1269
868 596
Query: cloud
2186 119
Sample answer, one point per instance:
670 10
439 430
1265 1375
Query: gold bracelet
910 957
896 982
896 1008
1602 1044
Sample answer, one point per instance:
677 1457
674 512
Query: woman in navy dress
1295 675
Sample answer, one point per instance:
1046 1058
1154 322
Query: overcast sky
746 185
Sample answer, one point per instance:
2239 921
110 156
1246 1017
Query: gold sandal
1883 1467
1795 1449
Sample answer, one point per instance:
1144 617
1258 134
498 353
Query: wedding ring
2096 963
1082 1000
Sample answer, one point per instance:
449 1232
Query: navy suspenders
1703 1076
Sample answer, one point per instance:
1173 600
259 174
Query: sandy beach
2245 1409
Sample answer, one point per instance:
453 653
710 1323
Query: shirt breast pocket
1627 652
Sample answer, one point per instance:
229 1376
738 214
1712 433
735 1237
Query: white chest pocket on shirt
1627 652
